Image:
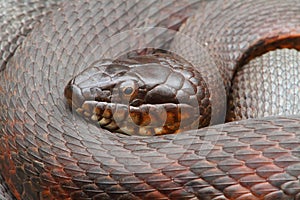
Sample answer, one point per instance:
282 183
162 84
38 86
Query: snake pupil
128 90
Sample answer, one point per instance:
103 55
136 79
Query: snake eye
128 91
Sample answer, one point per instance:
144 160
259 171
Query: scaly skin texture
165 92
49 153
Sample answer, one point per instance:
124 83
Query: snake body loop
144 95
46 152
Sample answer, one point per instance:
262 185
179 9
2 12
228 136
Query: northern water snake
48 153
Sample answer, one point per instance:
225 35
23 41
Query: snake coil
48 153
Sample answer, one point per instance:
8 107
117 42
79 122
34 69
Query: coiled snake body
48 153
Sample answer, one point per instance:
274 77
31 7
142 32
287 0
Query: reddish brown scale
48 153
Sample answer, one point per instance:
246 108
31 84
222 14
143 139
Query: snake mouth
143 120
76 96
73 95
133 118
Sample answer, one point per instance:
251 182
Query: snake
251 47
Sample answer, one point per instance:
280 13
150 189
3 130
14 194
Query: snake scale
47 152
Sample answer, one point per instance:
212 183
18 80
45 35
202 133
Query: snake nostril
95 90
100 95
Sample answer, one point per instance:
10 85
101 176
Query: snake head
143 95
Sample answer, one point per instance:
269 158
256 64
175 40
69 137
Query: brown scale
48 153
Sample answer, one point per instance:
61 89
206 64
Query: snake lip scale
245 51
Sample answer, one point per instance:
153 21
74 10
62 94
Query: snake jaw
143 120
